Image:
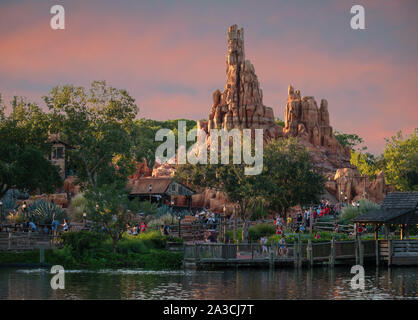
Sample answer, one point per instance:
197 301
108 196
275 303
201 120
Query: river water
317 283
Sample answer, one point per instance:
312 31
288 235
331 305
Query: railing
307 252
27 241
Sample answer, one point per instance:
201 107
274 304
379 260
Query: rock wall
240 105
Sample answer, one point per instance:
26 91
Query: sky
170 55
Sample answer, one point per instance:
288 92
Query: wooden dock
389 252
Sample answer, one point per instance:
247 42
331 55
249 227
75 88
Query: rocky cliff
240 105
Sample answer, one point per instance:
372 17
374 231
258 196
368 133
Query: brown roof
159 185
397 207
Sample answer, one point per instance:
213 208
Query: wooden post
299 251
376 232
377 252
361 251
356 250
407 231
389 252
252 251
271 261
332 256
310 222
10 240
42 255
386 231
310 253
402 231
295 253
235 224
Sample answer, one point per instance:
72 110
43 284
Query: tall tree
110 209
348 139
24 146
97 123
289 178
401 161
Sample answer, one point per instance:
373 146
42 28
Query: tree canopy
401 161
97 124
24 145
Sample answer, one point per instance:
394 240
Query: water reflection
316 283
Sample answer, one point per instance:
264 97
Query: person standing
65 226
282 246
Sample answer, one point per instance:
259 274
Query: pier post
271 260
332 256
295 253
42 255
389 252
356 249
299 251
310 253
361 251
377 253
10 240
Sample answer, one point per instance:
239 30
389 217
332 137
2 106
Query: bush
44 212
323 236
350 212
259 230
157 222
78 206
83 242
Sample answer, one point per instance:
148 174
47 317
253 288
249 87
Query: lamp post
358 206
150 190
172 209
24 209
345 200
179 218
1 211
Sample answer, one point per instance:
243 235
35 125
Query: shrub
44 212
78 206
259 230
82 242
157 222
350 212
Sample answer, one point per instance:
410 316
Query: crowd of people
31 226
207 218
136 229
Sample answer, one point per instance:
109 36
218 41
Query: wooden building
398 208
161 190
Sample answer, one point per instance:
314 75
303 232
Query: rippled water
317 283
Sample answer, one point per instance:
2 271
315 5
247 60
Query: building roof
159 186
397 208
401 200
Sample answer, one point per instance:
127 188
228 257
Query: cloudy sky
170 55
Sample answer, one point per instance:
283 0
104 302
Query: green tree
109 207
97 123
24 146
143 135
348 139
228 178
401 161
289 178
366 163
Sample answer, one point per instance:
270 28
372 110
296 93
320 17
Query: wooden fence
26 241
